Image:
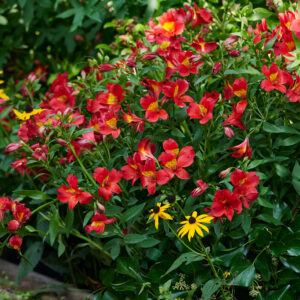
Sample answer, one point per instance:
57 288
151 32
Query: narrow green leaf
210 288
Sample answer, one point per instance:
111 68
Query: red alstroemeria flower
114 95
109 125
225 203
171 146
73 194
98 223
286 19
260 28
276 78
146 150
134 120
235 117
154 87
243 149
131 171
175 91
198 16
286 45
240 87
16 242
20 212
295 25
106 67
294 93
245 194
13 225
153 112
174 165
20 166
204 109
148 176
203 47
108 181
181 61
240 178
39 152
202 187
171 23
228 91
4 206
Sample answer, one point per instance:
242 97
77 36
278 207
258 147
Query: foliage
221 102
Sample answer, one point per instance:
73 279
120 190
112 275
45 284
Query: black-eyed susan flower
29 111
158 212
194 224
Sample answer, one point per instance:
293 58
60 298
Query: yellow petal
150 217
183 231
206 220
191 233
204 227
156 221
194 214
199 231
165 216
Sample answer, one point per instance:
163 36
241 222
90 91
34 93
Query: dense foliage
170 170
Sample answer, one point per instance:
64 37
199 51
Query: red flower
293 93
276 78
153 113
20 212
108 125
245 195
198 16
131 171
154 87
73 194
114 95
132 119
106 67
295 24
202 187
224 203
260 28
148 176
204 109
243 149
108 181
201 46
286 19
174 165
4 206
216 67
15 242
171 23
39 152
14 147
20 166
171 146
146 150
228 132
237 112
175 91
240 178
98 223
240 87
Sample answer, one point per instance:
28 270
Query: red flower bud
216 67
13 225
229 132
62 142
13 147
224 173
15 242
148 56
234 53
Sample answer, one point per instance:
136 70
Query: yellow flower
29 111
193 224
226 274
3 95
158 212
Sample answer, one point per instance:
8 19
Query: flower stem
87 174
42 206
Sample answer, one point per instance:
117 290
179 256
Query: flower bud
100 207
62 142
229 132
216 67
14 147
148 56
224 173
245 48
234 53
15 242
13 225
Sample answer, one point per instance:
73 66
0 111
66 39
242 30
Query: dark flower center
192 220
156 209
28 108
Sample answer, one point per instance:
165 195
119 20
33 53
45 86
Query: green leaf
269 219
271 42
22 3
69 222
281 171
3 20
53 227
33 254
292 263
210 288
61 246
296 171
271 128
134 238
133 212
66 14
177 133
181 259
260 13
279 294
87 218
263 202
245 277
148 243
290 141
81 132
28 12
33 194
246 223
250 71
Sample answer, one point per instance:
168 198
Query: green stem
83 167
42 206
258 255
